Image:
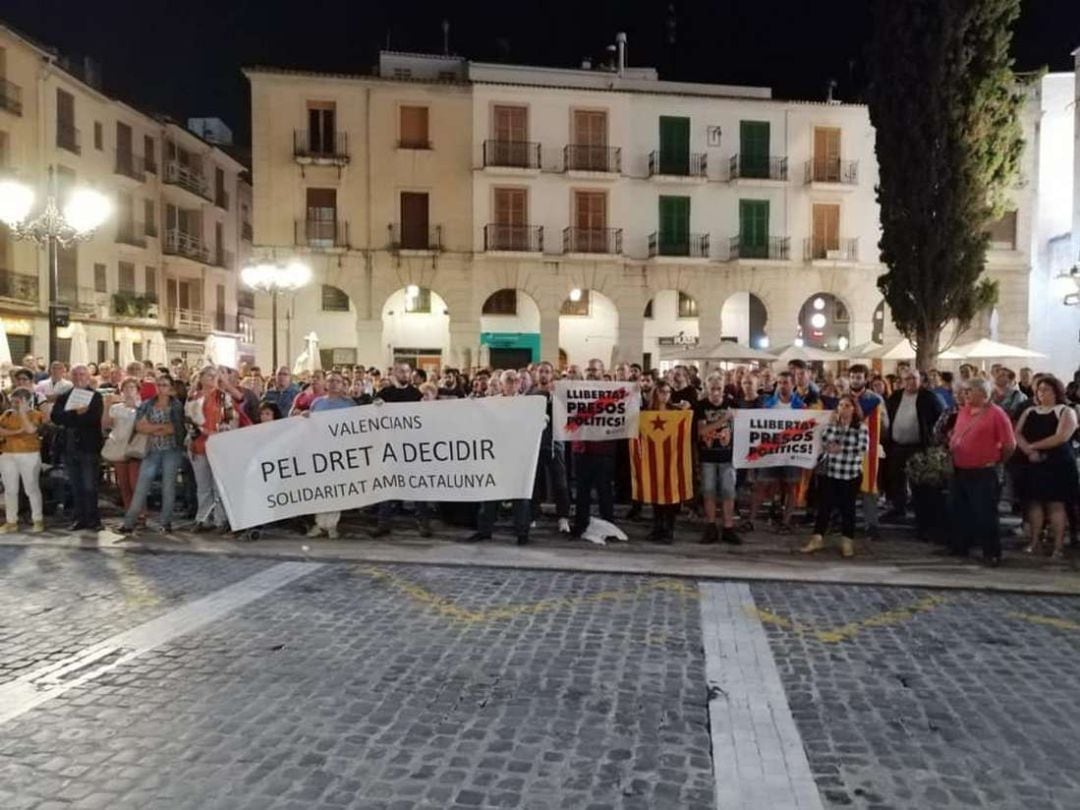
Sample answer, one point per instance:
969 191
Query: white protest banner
461 450
594 411
775 437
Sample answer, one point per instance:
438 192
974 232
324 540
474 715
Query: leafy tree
945 105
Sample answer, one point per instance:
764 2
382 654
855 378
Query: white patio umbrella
308 360
867 351
723 352
986 349
809 354
154 348
80 349
5 350
905 351
126 355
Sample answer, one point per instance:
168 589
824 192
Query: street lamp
272 278
83 212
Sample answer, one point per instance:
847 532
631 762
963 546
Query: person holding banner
664 514
712 418
335 398
551 463
400 389
846 440
785 478
509 382
594 462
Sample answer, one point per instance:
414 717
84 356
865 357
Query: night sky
184 58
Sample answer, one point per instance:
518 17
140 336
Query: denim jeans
551 480
594 471
167 463
83 473
485 522
210 511
974 494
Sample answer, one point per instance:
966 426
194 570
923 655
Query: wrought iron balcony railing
512 154
322 233
519 238
690 245
772 247
844 250
693 164
585 158
407 237
754 167
592 240
832 170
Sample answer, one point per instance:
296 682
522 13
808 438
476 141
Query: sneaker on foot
314 531
423 526
333 533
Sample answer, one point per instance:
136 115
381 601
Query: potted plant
929 473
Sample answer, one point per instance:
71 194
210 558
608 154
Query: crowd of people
960 445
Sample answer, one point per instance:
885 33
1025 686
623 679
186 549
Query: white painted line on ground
38 687
758 756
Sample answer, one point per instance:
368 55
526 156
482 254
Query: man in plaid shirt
846 440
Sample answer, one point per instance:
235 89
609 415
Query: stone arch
825 321
744 316
416 327
510 328
588 326
670 318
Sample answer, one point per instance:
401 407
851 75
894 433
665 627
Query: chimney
830 88
620 42
610 58
446 37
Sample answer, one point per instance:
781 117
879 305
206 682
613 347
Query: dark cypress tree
945 105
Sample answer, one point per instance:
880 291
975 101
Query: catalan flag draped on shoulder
660 458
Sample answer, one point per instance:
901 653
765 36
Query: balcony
831 249
411 238
129 305
186 178
832 171
67 137
246 232
512 155
221 199
189 246
10 97
693 166
131 166
129 233
84 300
324 234
19 287
774 248
514 238
582 158
752 167
190 321
320 149
593 240
684 245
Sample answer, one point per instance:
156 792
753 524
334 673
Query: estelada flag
660 457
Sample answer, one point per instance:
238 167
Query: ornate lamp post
83 212
274 278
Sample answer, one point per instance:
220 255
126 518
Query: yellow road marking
834 635
447 608
1052 621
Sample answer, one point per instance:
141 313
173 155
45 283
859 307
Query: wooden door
826 230
511 219
590 140
510 129
321 216
414 220
590 216
827 154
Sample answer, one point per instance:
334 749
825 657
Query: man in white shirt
55 384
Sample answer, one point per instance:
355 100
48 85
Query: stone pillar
370 350
549 335
631 335
464 343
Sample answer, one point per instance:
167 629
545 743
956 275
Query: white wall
583 338
735 318
414 330
666 322
527 319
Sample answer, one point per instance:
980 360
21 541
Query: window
125 161
99 136
419 303
590 127
590 218
579 307
322 116
826 230
414 220
126 278
150 152
67 137
754 148
687 306
414 128
103 351
101 278
151 281
1003 232
510 124
502 302
402 73
321 217
221 199
753 229
826 155
511 206
149 218
648 310
20 345
674 145
334 300
674 226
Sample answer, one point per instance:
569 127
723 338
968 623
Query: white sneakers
564 526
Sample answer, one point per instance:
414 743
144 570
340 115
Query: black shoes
423 526
476 537
380 531
729 537
710 535
523 539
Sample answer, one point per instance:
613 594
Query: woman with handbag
160 423
21 460
846 440
118 423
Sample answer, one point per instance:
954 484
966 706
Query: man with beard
551 465
876 419
400 390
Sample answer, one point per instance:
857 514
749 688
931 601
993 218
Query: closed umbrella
126 338
309 359
80 349
154 348
5 349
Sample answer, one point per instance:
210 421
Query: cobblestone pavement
398 688
931 700
54 603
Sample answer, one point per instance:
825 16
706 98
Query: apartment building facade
158 279
568 214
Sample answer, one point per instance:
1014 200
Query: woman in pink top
982 439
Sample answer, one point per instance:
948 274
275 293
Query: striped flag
660 457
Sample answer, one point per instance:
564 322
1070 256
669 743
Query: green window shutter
754 229
674 226
674 145
754 148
